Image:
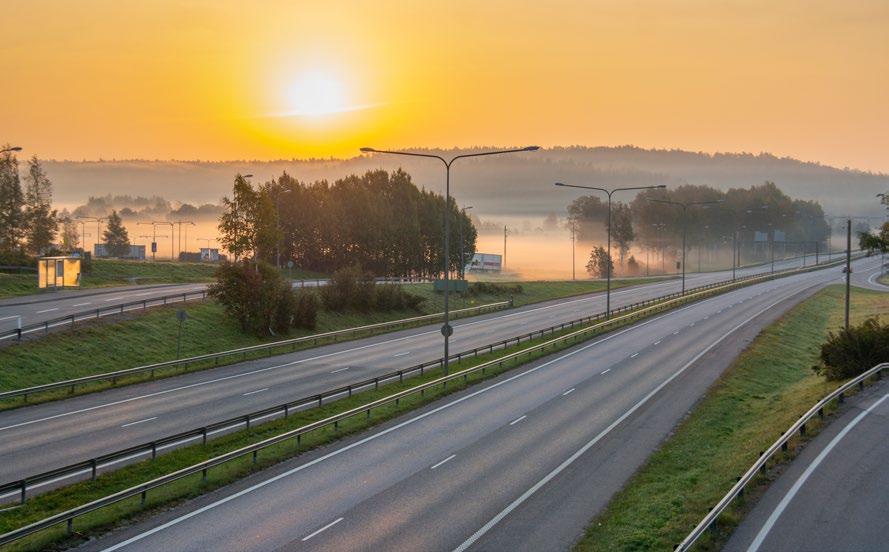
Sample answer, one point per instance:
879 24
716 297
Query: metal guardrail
93 314
244 351
759 466
71 319
92 465
363 410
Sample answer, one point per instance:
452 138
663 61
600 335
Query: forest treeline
380 221
644 223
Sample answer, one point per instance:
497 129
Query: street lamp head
247 176
660 186
14 148
368 150
531 148
559 184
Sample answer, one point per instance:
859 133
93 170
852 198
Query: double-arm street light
609 263
685 207
446 329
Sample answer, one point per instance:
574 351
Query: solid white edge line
448 459
570 460
779 509
325 528
519 419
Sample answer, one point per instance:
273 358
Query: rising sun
316 94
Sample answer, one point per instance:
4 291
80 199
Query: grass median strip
137 339
756 399
52 502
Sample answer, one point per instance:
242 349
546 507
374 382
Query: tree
117 240
69 235
40 218
622 228
599 263
587 213
237 225
11 201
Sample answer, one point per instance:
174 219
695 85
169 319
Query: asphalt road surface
50 435
521 462
39 308
835 495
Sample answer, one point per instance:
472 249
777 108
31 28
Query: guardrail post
204 435
802 430
841 398
46 327
153 450
143 497
248 420
70 526
254 456
24 491
93 468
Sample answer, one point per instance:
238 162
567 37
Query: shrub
490 288
257 297
352 288
633 268
848 353
306 311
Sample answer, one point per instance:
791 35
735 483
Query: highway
50 435
521 462
835 494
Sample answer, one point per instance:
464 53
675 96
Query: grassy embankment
763 393
142 338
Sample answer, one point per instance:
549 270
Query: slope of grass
142 338
763 393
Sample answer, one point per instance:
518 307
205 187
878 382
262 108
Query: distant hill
511 185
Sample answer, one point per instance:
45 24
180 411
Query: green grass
763 393
44 505
137 339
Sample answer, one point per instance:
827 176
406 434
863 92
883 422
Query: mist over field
516 185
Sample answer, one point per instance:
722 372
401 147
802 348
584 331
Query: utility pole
848 266
573 248
503 261
180 223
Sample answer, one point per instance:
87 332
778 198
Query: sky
225 80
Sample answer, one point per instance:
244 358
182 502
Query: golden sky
212 79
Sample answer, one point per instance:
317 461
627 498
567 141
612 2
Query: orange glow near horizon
243 80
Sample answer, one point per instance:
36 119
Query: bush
633 268
257 297
306 311
352 288
490 288
848 353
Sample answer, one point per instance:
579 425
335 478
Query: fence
759 466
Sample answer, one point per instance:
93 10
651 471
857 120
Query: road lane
382 484
833 496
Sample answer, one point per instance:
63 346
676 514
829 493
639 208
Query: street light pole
848 266
685 207
608 267
446 329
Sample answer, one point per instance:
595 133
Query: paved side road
518 463
835 495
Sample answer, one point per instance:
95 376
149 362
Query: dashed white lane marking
114 299
634 355
448 459
401 354
10 317
47 310
325 528
676 332
255 392
605 372
139 422
568 392
658 342
519 419
81 304
340 370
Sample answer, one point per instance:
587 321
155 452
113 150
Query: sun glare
315 95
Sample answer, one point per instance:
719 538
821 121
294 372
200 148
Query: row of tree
29 226
651 224
380 221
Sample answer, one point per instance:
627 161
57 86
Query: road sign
289 264
154 247
447 330
181 315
